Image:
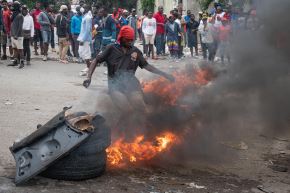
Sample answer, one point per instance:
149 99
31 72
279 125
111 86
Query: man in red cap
123 59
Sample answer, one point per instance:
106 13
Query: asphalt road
36 93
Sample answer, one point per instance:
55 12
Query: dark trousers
75 45
97 44
26 49
52 43
180 47
210 48
160 44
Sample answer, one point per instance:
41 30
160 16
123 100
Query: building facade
183 5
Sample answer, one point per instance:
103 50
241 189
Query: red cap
126 32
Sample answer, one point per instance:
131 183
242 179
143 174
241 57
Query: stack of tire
86 161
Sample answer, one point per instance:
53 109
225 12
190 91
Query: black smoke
249 97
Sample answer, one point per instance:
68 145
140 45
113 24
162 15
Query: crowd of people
83 33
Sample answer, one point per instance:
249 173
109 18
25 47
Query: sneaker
80 60
84 72
44 58
21 65
75 59
4 57
14 63
70 59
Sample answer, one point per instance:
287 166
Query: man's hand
170 77
16 38
87 82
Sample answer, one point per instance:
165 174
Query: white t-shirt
28 24
149 26
217 22
206 33
179 23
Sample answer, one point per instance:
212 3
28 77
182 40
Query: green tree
205 3
56 3
128 4
148 4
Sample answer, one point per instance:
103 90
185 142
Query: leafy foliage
127 4
205 3
148 4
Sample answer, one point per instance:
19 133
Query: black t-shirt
190 26
119 62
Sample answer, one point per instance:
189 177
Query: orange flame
120 152
170 92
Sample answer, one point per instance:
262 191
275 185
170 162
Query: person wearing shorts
46 22
172 30
85 38
149 27
16 34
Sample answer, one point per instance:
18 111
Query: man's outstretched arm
154 70
93 66
101 57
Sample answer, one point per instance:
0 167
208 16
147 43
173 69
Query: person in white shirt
149 28
206 30
218 16
28 33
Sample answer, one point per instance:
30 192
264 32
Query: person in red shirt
6 38
160 33
117 12
37 32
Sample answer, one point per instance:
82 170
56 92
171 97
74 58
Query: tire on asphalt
86 161
78 167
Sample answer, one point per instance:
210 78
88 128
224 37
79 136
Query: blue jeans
160 44
46 36
97 44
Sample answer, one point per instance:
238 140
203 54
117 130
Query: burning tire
86 161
